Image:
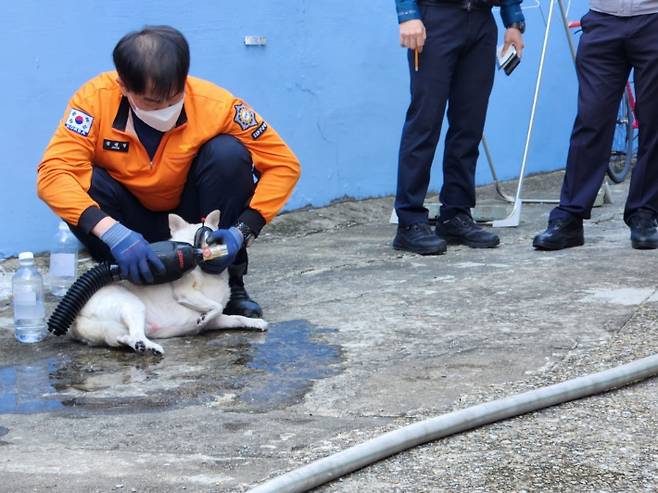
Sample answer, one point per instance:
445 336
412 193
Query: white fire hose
341 463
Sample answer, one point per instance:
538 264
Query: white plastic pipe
337 465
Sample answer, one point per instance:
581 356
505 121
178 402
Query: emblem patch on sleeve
245 116
79 122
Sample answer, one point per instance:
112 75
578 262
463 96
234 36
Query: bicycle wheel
621 155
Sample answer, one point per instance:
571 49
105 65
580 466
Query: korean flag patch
79 122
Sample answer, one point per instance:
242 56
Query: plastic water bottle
63 260
27 293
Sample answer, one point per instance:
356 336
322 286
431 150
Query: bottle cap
26 256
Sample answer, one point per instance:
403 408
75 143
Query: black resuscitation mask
219 250
201 235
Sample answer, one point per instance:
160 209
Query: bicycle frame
631 103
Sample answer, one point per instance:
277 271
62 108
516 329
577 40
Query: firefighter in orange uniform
147 140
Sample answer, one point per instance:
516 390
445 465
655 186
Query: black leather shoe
240 303
644 234
561 233
461 230
419 238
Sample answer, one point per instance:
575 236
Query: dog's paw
153 348
141 346
136 345
156 349
258 324
201 320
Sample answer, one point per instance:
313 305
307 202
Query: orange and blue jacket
97 130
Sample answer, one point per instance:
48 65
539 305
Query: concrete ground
363 340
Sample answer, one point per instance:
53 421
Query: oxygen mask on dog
208 252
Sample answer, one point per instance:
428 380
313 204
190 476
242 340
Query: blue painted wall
332 80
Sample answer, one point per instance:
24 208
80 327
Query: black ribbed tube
78 294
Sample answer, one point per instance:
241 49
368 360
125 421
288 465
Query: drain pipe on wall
324 470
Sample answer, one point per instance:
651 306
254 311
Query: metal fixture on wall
255 40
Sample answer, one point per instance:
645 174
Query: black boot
644 231
240 302
561 233
462 230
418 238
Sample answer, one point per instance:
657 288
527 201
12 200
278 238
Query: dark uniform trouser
457 68
220 177
609 47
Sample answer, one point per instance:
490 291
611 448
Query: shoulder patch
79 122
244 116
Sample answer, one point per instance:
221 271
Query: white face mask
163 119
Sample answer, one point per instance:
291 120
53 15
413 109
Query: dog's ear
212 219
176 223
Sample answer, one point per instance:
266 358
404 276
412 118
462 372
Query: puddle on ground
27 388
287 363
236 370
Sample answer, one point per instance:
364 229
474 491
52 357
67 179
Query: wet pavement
261 371
362 340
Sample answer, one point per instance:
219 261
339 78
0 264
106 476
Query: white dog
127 314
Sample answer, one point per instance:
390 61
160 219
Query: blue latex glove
233 240
133 254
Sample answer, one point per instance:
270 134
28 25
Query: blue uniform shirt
510 11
